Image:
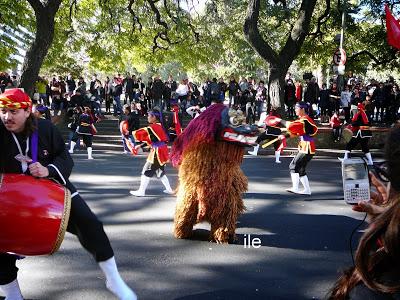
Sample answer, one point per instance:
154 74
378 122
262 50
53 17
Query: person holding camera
376 273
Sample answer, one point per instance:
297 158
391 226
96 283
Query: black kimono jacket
51 153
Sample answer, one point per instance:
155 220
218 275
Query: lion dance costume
209 153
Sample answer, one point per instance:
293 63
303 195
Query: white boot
295 183
277 156
255 151
115 284
12 291
165 181
306 185
144 182
71 147
369 157
89 153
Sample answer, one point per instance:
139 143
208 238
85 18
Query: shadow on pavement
299 231
232 295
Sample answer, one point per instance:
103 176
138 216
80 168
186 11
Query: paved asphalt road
305 240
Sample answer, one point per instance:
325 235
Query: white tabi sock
306 185
71 147
89 152
277 156
295 183
255 151
346 154
115 284
165 181
369 157
12 291
144 182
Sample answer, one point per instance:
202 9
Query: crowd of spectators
381 99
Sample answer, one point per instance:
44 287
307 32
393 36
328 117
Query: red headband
15 99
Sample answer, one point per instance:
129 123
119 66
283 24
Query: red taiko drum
34 214
347 133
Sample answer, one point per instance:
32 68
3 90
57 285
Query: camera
356 185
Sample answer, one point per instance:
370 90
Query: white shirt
182 90
345 98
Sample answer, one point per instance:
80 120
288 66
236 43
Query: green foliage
365 30
16 23
104 36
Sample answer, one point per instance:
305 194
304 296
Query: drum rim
64 221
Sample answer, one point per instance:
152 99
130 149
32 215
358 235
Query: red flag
392 29
178 128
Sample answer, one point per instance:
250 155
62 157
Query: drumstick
270 142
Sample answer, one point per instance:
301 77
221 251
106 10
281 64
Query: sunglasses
381 171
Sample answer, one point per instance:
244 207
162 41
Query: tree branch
156 45
322 20
298 33
162 35
175 20
135 18
195 33
71 7
36 5
168 11
373 57
157 13
253 35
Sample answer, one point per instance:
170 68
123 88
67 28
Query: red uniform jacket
335 122
360 125
154 136
305 128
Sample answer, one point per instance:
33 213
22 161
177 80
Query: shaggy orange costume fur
211 185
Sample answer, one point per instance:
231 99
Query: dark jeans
347 113
380 112
117 105
336 132
299 163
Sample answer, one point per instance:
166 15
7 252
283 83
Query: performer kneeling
272 131
17 128
153 135
305 128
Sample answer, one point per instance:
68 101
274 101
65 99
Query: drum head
347 135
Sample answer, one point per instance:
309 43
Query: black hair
392 155
155 111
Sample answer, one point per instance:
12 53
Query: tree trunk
279 61
276 84
43 39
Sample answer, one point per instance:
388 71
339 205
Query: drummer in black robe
18 131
